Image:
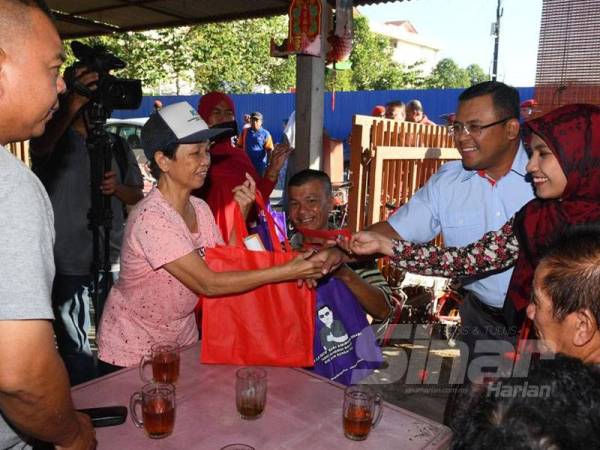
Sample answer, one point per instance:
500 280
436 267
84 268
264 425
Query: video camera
112 92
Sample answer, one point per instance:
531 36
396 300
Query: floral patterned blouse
496 250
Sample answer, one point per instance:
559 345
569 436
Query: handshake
341 248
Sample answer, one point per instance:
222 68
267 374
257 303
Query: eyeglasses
456 128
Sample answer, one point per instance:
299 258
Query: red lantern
341 47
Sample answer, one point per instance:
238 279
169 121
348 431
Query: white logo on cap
195 116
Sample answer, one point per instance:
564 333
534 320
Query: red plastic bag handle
242 231
330 235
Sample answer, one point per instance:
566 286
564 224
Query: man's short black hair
414 105
572 271
505 98
395 104
308 175
565 414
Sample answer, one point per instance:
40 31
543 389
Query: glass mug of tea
157 401
362 411
164 358
250 392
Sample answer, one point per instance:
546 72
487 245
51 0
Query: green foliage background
234 57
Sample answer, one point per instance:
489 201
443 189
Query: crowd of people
397 110
517 213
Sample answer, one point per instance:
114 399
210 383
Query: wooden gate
20 150
389 162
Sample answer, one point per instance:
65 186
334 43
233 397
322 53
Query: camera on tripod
112 92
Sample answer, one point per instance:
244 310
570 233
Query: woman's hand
245 195
305 269
371 242
279 156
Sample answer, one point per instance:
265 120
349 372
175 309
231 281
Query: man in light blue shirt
464 200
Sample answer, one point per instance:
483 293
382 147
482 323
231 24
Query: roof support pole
310 87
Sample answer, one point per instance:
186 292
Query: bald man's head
15 20
31 53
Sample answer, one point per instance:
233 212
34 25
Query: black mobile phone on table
104 416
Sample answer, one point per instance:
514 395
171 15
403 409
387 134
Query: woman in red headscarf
564 163
230 164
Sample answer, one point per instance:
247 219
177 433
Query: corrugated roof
77 18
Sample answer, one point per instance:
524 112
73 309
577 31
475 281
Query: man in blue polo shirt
257 142
464 200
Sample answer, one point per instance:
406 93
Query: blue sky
462 29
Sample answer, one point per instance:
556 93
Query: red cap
530 103
378 111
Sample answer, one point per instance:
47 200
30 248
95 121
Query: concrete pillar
310 87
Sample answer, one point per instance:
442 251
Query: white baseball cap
178 123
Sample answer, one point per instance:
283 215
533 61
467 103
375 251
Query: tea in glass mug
157 401
362 411
164 357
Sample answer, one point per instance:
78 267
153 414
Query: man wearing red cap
378 111
528 108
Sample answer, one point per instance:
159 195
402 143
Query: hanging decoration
340 42
340 37
304 30
304 36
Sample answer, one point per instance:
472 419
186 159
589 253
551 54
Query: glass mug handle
146 359
377 405
135 400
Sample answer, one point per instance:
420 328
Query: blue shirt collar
519 165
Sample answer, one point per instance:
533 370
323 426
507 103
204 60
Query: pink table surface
303 411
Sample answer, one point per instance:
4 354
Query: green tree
233 56
476 74
144 54
447 74
372 64
338 80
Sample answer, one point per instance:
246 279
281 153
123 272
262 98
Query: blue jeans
71 299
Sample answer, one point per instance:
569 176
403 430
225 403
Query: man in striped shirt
309 206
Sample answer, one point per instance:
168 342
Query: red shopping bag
271 325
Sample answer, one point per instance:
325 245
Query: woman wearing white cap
162 270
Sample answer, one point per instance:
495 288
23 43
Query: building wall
409 46
568 68
408 53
